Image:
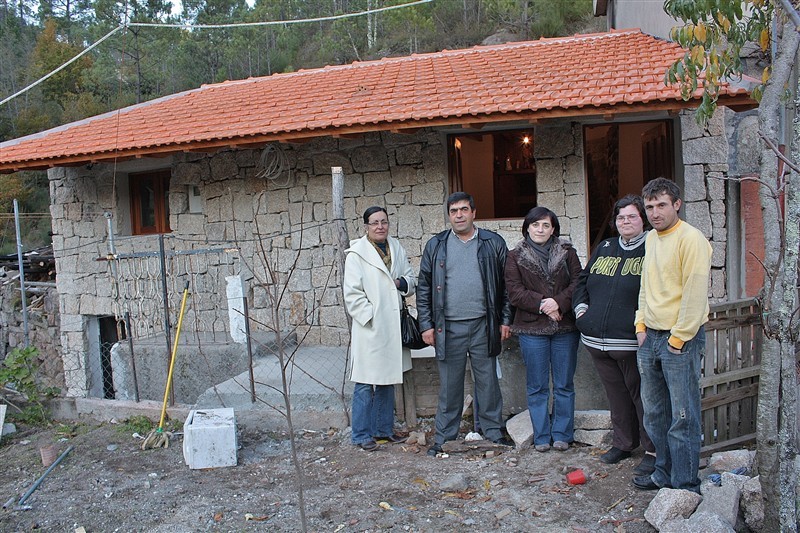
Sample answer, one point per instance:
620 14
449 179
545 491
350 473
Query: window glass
498 169
150 202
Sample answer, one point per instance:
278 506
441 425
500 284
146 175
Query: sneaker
561 446
542 448
435 450
647 466
615 455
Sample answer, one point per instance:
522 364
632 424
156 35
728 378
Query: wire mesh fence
234 350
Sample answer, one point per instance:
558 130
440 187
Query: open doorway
620 159
103 333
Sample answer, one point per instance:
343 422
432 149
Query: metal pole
21 276
167 334
41 478
246 312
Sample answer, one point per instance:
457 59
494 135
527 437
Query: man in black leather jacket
464 311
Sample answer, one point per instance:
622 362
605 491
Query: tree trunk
776 402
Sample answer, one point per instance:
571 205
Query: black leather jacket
492 253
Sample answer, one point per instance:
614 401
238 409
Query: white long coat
373 301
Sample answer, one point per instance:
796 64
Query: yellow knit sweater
674 292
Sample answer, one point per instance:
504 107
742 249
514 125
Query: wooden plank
709 362
410 399
732 304
731 322
728 444
733 375
730 396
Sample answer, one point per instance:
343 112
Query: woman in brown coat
541 273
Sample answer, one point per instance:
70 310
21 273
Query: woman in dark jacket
541 273
605 303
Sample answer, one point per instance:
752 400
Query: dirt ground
108 484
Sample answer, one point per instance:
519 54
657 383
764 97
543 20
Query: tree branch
789 163
791 12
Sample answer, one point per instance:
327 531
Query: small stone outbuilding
570 123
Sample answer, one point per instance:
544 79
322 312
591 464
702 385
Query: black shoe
434 450
392 439
615 455
504 441
369 446
647 466
645 483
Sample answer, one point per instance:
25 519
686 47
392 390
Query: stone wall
706 154
42 329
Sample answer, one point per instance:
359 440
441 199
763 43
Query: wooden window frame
159 184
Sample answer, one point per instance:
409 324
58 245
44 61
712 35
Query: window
150 202
507 158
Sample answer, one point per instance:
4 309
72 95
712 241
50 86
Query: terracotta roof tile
605 69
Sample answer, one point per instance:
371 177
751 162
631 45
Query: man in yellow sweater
673 306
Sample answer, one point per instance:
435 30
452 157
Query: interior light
526 140
458 144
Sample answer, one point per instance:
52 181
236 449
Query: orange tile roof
613 72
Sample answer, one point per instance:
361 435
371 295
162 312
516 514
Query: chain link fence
234 349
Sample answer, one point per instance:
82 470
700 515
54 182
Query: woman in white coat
377 274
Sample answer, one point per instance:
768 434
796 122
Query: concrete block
594 437
670 504
593 419
520 429
722 501
675 525
732 479
209 438
731 460
707 522
753 504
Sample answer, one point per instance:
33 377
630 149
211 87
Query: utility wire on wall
203 27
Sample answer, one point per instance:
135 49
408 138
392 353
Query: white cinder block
209 438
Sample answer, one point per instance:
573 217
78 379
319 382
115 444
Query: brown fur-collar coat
529 281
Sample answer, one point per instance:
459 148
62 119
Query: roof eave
738 102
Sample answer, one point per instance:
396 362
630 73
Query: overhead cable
206 26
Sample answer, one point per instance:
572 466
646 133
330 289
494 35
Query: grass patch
136 424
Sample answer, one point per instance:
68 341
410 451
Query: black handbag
409 330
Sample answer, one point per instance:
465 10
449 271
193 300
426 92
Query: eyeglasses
629 218
378 223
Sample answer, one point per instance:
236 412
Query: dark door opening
620 158
109 335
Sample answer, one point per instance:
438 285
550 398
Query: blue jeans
543 355
670 392
373 412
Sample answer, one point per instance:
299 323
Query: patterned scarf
384 252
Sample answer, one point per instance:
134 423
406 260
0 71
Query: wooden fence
729 382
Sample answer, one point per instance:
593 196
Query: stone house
570 123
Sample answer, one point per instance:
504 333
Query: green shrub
18 374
